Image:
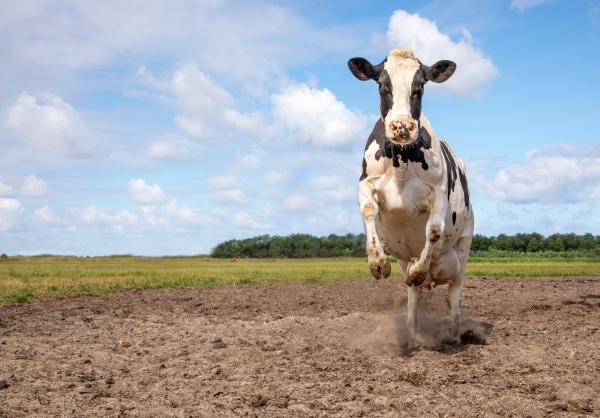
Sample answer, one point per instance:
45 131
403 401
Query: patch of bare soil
529 347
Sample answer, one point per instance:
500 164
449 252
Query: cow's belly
402 216
402 237
405 239
401 222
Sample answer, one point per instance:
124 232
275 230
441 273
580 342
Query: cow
413 194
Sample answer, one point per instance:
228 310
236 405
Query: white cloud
246 220
34 186
185 214
208 111
82 35
10 209
97 216
334 188
45 215
230 197
47 123
297 203
328 182
251 157
146 194
5 189
522 5
224 182
342 194
198 93
227 191
318 117
167 151
249 160
474 71
276 178
559 175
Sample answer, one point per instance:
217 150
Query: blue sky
166 127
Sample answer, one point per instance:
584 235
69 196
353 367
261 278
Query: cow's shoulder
373 157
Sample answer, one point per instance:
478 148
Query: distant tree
3 255
504 242
304 245
554 243
585 242
535 243
481 243
570 241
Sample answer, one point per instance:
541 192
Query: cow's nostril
411 126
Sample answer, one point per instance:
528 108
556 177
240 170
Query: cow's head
401 78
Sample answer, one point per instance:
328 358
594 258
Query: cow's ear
363 69
440 71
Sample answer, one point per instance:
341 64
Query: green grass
25 278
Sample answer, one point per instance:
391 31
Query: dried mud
530 347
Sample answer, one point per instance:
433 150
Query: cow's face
401 78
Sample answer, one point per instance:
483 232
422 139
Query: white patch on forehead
401 66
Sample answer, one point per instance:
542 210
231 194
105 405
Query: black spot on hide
453 173
412 152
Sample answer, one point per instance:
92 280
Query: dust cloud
387 334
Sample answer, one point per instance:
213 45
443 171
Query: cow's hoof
416 276
380 267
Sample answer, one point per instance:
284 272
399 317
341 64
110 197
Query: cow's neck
412 153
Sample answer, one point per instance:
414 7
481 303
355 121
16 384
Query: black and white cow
413 193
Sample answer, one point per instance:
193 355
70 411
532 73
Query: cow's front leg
419 269
378 263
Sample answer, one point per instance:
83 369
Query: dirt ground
531 347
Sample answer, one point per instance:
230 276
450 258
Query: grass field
24 278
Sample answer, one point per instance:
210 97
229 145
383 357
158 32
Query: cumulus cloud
10 209
328 182
226 191
34 186
474 71
98 216
230 197
45 215
5 189
296 203
558 175
146 194
523 5
246 220
208 111
276 178
47 123
224 182
317 117
167 151
335 188
82 35
182 213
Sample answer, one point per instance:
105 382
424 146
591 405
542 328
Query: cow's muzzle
402 130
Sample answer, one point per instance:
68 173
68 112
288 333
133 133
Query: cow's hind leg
455 289
412 303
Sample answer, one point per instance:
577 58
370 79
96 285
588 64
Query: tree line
306 246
